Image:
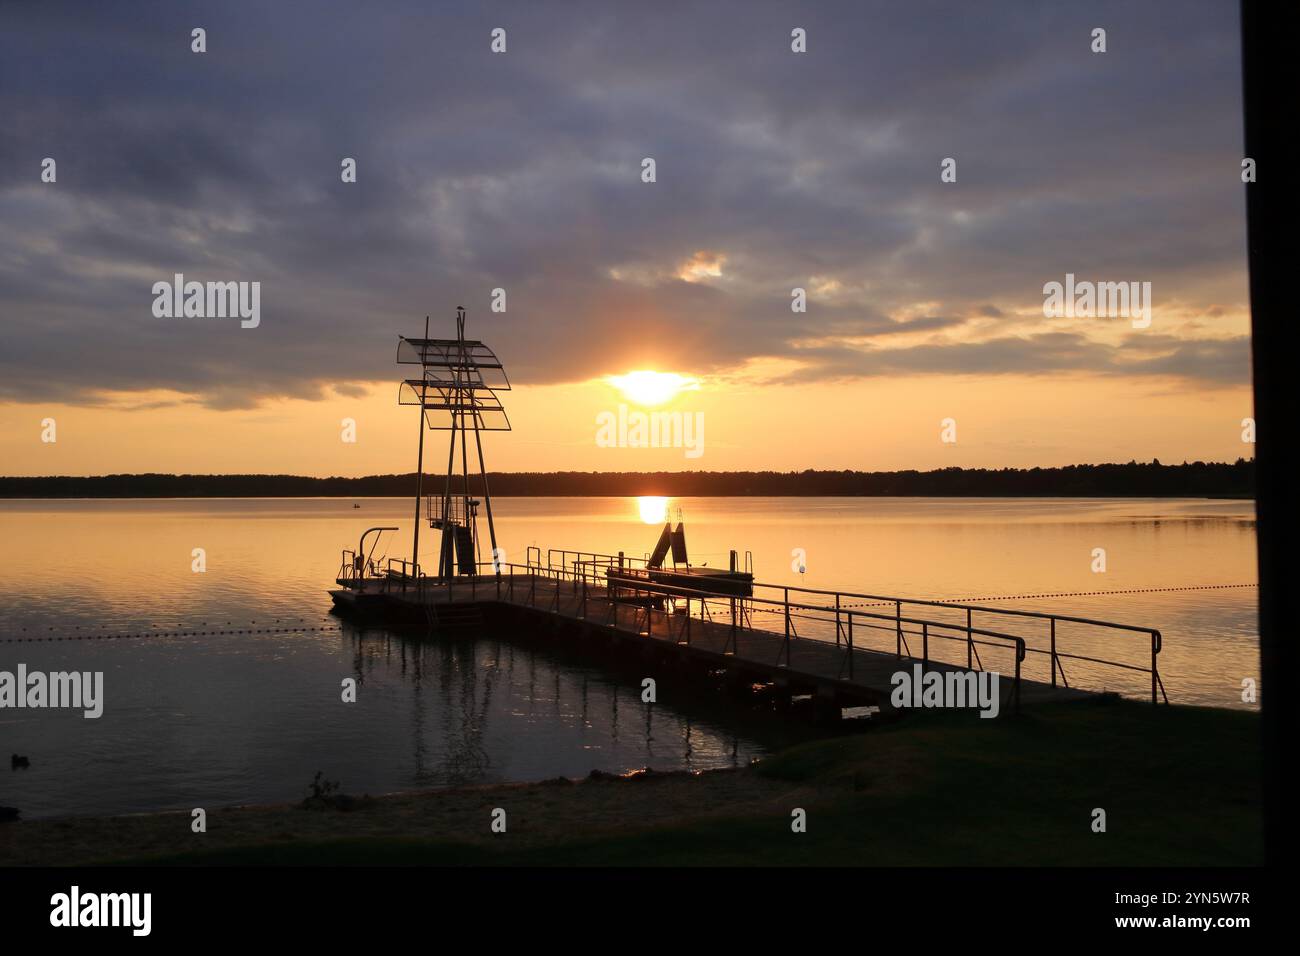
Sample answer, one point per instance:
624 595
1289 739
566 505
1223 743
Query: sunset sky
522 170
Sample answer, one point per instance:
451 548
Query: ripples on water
239 718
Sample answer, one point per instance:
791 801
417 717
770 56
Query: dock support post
925 647
837 618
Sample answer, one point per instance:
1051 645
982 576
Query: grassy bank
1180 786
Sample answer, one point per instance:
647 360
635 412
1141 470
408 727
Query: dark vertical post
970 640
787 627
1020 653
898 629
487 495
1053 652
732 638
850 644
462 374
446 565
1155 649
419 469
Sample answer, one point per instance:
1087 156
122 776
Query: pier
842 649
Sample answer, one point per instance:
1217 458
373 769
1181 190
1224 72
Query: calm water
210 721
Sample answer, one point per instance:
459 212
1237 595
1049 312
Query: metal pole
970 644
850 645
1053 652
470 523
446 567
487 496
1155 649
787 627
898 628
419 466
732 639
1020 652
786 602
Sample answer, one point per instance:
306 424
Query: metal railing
642 603
829 608
590 563
823 612
849 619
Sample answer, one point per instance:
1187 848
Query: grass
1179 786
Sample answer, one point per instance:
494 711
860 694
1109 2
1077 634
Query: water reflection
216 720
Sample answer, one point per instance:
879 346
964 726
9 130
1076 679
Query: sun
646 387
654 510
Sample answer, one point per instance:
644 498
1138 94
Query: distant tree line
1135 479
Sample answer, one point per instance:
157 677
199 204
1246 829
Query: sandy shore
537 814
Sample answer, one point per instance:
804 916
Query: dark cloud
522 171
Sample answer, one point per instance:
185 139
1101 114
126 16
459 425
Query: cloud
522 171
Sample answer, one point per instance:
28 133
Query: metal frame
456 393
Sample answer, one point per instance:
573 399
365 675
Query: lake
216 720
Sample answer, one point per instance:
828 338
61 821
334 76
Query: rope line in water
189 631
1030 597
1016 597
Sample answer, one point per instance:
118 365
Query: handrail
643 619
588 571
1156 639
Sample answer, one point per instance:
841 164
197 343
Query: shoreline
1197 479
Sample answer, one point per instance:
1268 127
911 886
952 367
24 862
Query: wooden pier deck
695 628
